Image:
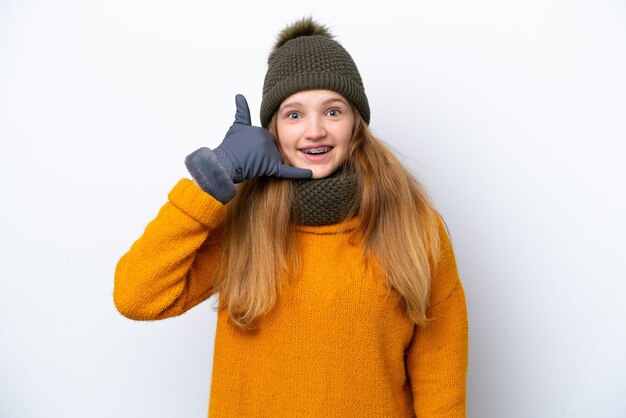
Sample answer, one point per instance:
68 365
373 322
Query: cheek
346 131
346 136
285 138
286 145
280 141
287 150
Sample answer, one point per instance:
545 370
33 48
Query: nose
315 129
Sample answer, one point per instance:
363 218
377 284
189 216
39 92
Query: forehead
313 97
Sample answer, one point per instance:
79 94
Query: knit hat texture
307 57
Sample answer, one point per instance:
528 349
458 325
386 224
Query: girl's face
314 129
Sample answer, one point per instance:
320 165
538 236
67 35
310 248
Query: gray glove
247 151
250 151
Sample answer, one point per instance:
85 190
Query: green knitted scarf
326 201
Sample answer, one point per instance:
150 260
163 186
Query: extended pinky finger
293 172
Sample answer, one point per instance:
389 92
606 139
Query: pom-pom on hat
307 57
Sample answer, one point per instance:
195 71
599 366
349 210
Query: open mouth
316 151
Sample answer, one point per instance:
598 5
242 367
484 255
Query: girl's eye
333 112
293 115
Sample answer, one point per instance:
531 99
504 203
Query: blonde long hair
398 231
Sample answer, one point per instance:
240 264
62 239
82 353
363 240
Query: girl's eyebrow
284 105
334 99
324 103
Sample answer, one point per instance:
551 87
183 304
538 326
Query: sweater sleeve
437 354
170 268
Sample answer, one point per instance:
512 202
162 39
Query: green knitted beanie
307 57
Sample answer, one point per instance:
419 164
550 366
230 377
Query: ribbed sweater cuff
199 205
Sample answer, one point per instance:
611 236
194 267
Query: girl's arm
437 355
170 268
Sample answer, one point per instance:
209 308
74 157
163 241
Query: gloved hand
247 151
250 151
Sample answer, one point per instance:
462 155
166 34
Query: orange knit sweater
333 346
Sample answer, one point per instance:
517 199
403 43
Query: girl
338 289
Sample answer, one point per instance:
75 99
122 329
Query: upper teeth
316 150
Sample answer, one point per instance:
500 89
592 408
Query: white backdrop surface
511 113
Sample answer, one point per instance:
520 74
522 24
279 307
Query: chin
322 172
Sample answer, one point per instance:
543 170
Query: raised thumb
243 112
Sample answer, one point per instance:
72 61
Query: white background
511 113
